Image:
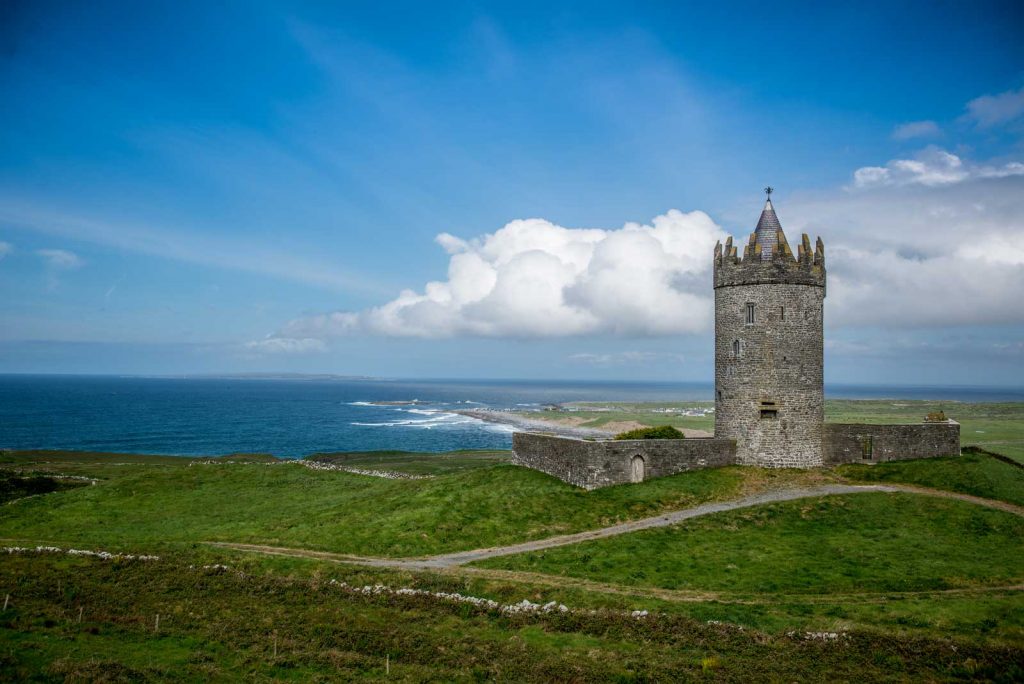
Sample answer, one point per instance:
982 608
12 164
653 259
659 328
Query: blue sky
217 187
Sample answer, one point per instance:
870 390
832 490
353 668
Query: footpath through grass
291 505
89 620
870 542
773 569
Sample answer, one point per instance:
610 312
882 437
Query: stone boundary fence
863 443
591 464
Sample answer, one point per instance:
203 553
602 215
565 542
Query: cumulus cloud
916 129
932 241
932 166
920 254
286 345
60 259
5 249
991 110
533 278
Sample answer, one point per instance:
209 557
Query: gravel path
450 560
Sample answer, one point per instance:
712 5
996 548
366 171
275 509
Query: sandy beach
564 425
525 424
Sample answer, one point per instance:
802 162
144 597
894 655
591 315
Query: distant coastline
595 389
295 415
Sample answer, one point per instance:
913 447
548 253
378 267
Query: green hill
861 586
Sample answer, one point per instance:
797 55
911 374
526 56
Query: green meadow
870 542
263 620
286 504
903 586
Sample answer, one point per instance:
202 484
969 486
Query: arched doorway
636 469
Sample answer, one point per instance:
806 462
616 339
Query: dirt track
451 560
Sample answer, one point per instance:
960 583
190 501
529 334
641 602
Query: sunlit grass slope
291 505
845 544
974 473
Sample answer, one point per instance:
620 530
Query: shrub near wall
663 432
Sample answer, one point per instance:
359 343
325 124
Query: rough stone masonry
769 383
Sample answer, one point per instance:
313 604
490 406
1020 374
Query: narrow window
768 410
750 314
736 349
782 313
719 395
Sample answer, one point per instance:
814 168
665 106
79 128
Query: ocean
297 417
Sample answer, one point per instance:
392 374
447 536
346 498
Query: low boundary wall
600 463
593 464
862 443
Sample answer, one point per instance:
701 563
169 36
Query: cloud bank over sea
932 240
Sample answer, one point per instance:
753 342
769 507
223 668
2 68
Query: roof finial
768 191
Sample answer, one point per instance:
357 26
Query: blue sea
298 417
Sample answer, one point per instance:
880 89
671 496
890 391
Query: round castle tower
769 347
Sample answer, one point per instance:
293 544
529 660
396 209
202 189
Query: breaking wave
434 419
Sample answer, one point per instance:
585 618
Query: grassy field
998 427
871 542
917 586
416 464
975 473
286 504
86 620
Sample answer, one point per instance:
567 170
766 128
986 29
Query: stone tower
769 347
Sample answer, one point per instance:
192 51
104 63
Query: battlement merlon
807 267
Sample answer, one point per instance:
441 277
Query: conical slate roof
767 232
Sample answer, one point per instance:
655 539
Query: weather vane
768 191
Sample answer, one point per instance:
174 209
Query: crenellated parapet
779 265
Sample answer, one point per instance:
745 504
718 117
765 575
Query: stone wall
593 464
845 442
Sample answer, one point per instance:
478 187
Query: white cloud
5 249
56 262
533 278
286 345
624 358
933 241
918 254
916 129
932 166
991 110
60 259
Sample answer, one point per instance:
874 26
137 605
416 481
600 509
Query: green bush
663 432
